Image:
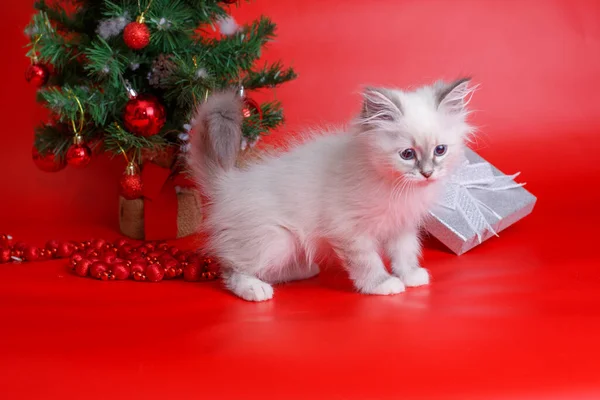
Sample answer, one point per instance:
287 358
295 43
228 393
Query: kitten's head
418 134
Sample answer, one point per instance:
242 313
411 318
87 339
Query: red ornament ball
37 74
136 35
131 187
48 162
144 115
78 156
250 108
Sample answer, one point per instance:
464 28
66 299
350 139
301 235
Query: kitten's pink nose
426 174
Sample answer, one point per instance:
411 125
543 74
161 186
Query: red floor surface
517 317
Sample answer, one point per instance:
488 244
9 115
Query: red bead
121 271
192 272
45 254
82 268
98 244
174 251
212 266
138 266
78 156
31 253
5 255
154 273
139 276
124 250
108 258
92 253
37 74
76 258
121 242
65 249
155 254
6 240
170 273
136 35
97 269
52 246
169 263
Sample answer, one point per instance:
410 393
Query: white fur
347 191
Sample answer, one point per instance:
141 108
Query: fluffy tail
215 138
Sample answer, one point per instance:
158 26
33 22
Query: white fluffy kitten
359 192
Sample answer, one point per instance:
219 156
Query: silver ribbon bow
457 195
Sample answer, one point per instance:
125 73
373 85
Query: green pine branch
93 70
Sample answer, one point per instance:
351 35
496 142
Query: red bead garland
119 260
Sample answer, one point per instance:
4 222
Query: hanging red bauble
250 108
136 34
37 74
79 154
144 115
131 183
48 162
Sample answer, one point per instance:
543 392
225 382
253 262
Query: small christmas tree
126 76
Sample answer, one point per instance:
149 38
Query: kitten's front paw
415 277
256 291
391 285
249 288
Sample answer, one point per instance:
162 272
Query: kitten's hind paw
391 285
249 288
415 277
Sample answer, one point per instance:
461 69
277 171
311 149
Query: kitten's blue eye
407 154
440 150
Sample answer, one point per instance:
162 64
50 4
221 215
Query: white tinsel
163 24
134 66
228 26
31 30
113 26
251 143
201 73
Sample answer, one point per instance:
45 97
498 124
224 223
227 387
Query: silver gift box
477 204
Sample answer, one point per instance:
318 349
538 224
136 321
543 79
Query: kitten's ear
379 105
455 96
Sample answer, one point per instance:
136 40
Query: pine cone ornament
162 69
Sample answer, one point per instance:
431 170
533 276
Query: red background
516 317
